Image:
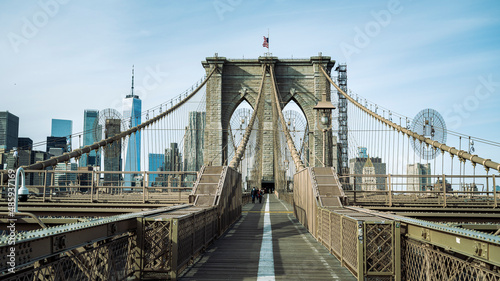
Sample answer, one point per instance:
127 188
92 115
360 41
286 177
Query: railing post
44 185
144 183
360 249
342 241
397 250
205 221
330 246
389 186
495 192
138 270
193 235
174 237
179 191
444 190
92 183
487 186
52 184
318 225
354 189
97 187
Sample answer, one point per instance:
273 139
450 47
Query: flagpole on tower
268 51
265 44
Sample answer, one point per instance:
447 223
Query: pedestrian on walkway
260 195
16 158
253 193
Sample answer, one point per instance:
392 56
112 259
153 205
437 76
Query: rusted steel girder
463 155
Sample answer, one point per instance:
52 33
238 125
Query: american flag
266 42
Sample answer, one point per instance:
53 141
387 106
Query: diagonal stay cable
299 165
235 162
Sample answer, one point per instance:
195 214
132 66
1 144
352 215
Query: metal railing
172 242
421 262
103 186
366 245
423 190
382 246
157 243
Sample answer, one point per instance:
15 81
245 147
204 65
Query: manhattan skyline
403 55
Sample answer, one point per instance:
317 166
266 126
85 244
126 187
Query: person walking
260 195
253 193
16 158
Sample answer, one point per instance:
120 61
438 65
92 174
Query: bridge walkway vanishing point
267 243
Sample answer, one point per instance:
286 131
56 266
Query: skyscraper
362 152
132 115
357 164
418 183
112 153
62 128
193 143
369 183
93 158
65 179
173 158
25 143
9 130
173 162
57 142
156 163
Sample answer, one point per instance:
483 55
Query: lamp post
22 193
324 109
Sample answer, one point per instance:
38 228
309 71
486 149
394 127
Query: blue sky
61 57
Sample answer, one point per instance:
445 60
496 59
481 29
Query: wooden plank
297 255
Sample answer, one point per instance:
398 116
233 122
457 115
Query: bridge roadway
266 243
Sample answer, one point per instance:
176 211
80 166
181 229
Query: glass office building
62 128
132 107
94 157
156 163
9 130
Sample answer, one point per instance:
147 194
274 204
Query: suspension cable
87 149
486 163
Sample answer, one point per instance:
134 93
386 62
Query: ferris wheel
237 126
430 124
102 126
297 126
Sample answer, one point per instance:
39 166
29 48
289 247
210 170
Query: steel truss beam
33 246
474 244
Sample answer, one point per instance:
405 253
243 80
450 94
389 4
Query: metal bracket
426 234
480 249
112 228
58 243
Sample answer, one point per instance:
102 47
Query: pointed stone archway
236 80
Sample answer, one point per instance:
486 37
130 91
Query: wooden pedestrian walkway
267 243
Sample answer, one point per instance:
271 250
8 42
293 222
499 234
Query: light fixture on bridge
325 108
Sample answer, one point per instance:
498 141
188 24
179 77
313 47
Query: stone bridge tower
237 80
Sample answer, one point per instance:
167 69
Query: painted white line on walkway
334 276
266 259
284 205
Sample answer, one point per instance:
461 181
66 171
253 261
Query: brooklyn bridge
352 190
